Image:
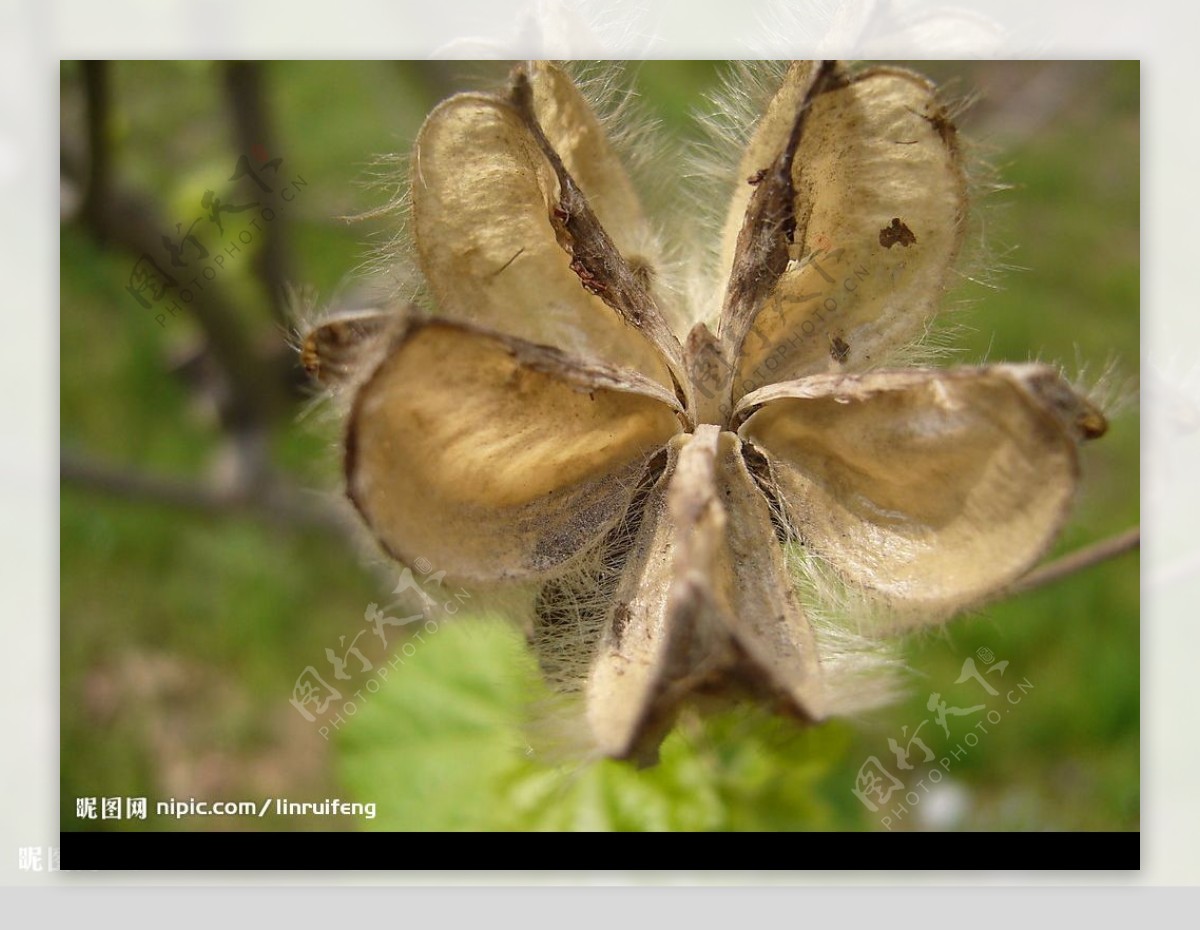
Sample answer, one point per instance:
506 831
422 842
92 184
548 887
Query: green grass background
182 632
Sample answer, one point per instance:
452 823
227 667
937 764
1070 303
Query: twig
247 101
127 219
281 504
1077 561
99 154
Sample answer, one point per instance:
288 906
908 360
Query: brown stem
247 101
279 504
99 155
129 220
1077 561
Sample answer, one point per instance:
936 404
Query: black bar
859 852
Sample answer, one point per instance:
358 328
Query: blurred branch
275 502
99 154
1077 561
129 220
252 132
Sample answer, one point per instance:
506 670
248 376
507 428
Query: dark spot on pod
895 233
839 348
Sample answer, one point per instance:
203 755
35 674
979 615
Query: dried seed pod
546 425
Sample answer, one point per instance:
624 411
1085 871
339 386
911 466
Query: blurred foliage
183 632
